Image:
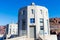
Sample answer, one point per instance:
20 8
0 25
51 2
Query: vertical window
41 11
48 26
41 20
47 22
10 31
32 20
13 31
41 30
41 27
46 13
24 32
23 24
33 11
23 12
41 23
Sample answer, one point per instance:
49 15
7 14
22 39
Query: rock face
55 24
2 29
54 21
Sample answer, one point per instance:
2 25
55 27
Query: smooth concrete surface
51 37
48 37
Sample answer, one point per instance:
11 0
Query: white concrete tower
33 21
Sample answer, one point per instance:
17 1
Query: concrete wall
21 38
20 18
12 29
37 15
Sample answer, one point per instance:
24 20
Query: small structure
11 30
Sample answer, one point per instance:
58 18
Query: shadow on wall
58 36
52 32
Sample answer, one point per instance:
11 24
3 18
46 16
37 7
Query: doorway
32 31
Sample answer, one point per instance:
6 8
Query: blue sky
9 9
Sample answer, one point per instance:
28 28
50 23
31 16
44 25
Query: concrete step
48 37
21 38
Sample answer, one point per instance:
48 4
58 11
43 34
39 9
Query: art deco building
33 20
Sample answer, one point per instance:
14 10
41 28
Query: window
24 32
47 22
41 27
41 11
41 30
32 20
33 11
46 13
41 20
13 31
23 12
10 31
23 24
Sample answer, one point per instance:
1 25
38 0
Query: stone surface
55 24
2 29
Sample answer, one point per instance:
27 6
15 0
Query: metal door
32 32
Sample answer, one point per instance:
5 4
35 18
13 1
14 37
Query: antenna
33 3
